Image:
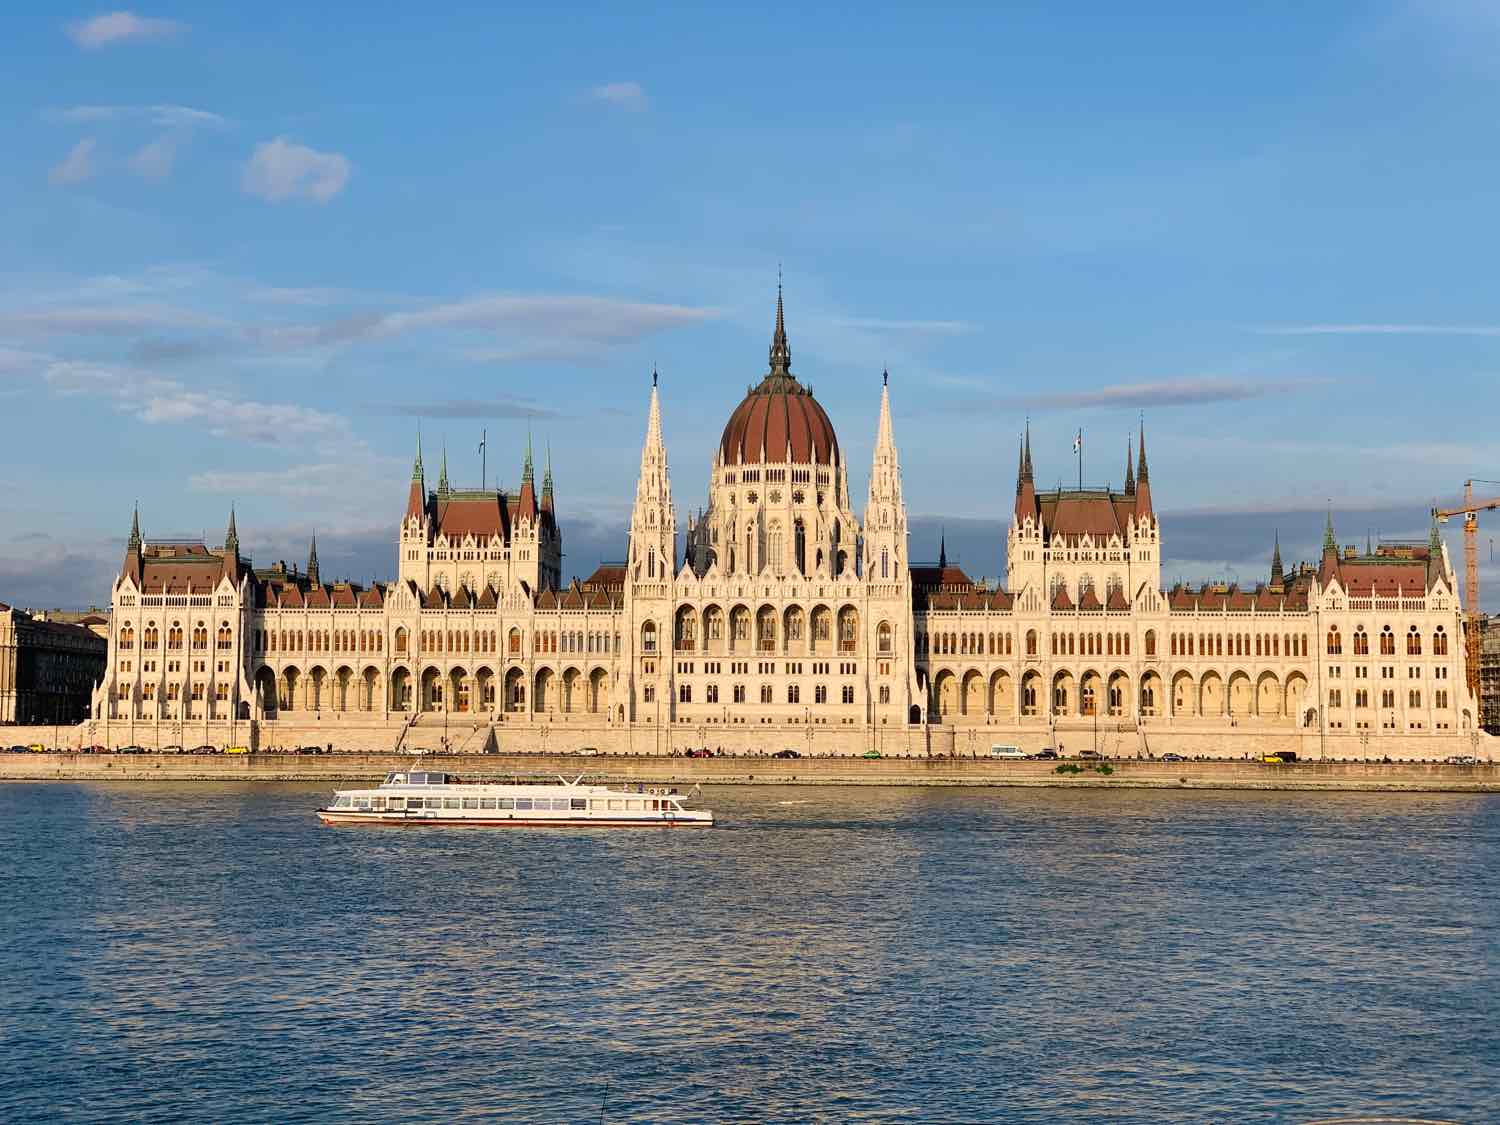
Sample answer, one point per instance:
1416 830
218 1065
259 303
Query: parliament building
782 618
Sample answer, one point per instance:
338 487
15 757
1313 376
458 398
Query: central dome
779 421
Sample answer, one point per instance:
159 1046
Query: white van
998 751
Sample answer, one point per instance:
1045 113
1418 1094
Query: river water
208 952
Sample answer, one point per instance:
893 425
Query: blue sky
246 248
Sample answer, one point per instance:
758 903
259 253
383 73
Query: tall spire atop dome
781 352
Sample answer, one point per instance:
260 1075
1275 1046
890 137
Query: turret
526 505
1328 565
232 550
1278 575
312 562
653 522
1129 470
132 567
416 496
885 511
1025 482
1143 509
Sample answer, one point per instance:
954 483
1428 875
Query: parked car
1463 760
1090 755
18 748
236 749
132 749
37 748
171 749
309 750
1011 752
1172 757
870 754
94 749
701 752
204 749
588 751
1045 754
787 753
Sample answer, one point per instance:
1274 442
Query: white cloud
162 116
280 170
154 160
625 95
121 27
915 327
77 166
298 481
121 320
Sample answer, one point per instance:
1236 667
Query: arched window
127 637
150 637
848 629
225 638
1413 642
1150 643
1335 642
885 562
1440 642
1387 642
648 637
1031 646
1361 642
174 636
513 642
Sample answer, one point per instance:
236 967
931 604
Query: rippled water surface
208 952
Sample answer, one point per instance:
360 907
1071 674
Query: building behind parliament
788 619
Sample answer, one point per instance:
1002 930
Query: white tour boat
427 798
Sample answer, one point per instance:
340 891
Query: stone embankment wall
560 735
339 768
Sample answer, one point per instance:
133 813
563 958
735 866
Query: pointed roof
135 529
1025 485
1129 470
781 351
232 536
312 561
416 495
443 476
547 481
1143 481
943 551
1278 574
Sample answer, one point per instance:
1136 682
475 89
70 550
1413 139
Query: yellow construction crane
1470 510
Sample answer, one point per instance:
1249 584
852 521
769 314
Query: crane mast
1470 510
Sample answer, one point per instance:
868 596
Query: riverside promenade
1365 777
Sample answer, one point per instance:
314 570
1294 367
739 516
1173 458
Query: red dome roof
778 422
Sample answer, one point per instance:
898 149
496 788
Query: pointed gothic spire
1025 485
1020 463
312 561
653 417
1129 470
1140 472
1329 542
781 352
443 475
528 474
1278 574
547 480
943 550
1434 539
1369 548
885 439
232 537
135 528
1142 480
416 466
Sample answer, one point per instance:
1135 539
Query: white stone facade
786 620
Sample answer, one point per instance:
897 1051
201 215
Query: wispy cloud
1380 330
280 170
501 406
161 116
154 161
122 27
77 166
1195 391
103 320
623 95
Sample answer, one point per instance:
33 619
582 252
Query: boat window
341 803
577 803
377 804
397 803
507 803
417 778
523 803
634 806
362 803
615 804
597 805
487 802
450 802
471 802
434 802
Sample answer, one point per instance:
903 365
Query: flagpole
484 459
1080 459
